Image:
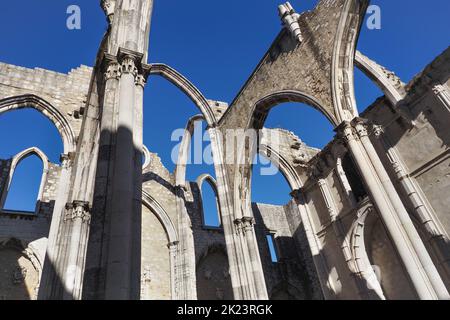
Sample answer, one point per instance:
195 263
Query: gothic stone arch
48 110
14 163
172 238
188 88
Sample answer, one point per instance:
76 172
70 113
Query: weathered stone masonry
369 215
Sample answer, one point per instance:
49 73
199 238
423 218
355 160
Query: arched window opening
210 205
268 183
40 132
309 124
354 178
200 160
25 186
166 112
272 247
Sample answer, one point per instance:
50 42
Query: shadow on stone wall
19 278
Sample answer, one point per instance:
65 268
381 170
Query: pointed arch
262 107
213 184
180 170
188 88
342 75
53 114
15 162
287 170
161 214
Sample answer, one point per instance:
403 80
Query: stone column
319 260
364 275
402 214
77 219
246 271
344 182
138 142
185 281
245 225
125 184
173 249
50 270
387 212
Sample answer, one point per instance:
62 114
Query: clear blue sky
216 44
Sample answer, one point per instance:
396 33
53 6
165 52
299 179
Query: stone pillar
315 246
51 271
123 202
362 276
344 182
77 219
394 226
185 281
402 214
245 225
246 271
173 249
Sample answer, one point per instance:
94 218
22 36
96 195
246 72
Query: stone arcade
108 227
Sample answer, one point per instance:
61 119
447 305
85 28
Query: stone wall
156 283
66 92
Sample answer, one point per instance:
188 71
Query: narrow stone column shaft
381 201
403 216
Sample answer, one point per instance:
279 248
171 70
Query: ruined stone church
369 215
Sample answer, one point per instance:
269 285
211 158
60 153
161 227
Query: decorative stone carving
66 160
290 20
140 80
377 130
78 210
245 224
361 129
128 66
113 71
346 132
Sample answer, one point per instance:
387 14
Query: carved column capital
361 127
128 65
113 71
244 224
346 132
377 130
67 160
248 223
78 210
140 80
